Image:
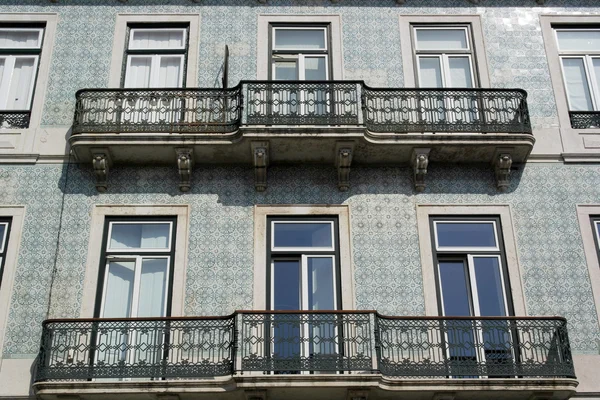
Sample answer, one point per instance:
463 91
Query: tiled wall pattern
384 234
371 41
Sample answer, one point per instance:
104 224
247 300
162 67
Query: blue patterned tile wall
371 41
384 235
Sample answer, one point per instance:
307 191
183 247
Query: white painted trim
41 83
424 211
260 247
406 44
118 50
17 213
99 213
584 213
336 51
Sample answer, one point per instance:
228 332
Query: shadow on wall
291 184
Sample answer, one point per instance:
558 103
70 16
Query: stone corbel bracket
101 162
255 394
344 151
260 157
185 165
502 162
419 161
357 394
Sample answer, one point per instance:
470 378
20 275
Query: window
303 254
579 52
588 216
136 268
20 49
299 52
4 234
444 56
155 57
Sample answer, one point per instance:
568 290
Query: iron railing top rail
265 312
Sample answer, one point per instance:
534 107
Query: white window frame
465 249
121 36
132 31
139 249
300 249
587 58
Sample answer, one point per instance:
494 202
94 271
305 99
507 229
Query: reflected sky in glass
489 286
314 234
454 288
2 233
286 285
457 234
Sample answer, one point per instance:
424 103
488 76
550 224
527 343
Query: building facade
242 199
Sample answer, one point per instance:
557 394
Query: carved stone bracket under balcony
185 165
357 394
420 161
101 162
502 162
343 159
255 394
260 156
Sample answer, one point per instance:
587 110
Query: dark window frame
4 246
273 52
596 231
105 253
454 255
160 25
297 255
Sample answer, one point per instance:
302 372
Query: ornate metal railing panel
126 348
474 347
585 119
157 110
12 119
446 110
292 342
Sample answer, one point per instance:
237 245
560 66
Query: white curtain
136 236
153 279
169 74
19 38
138 72
118 294
577 86
441 39
460 72
157 39
20 85
586 40
430 72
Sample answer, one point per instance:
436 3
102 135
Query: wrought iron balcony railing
14 119
313 103
292 342
585 119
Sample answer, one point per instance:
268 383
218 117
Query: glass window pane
320 283
577 84
157 39
596 66
20 84
460 72
306 234
286 71
430 72
466 234
138 72
153 284
442 39
314 68
20 38
286 285
579 40
301 39
490 290
119 289
455 293
169 74
139 236
2 236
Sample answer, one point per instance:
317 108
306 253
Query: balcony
301 122
287 351
585 119
14 119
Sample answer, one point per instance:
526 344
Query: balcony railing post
376 335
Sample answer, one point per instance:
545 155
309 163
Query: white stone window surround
261 212
120 38
17 213
263 51
99 214
41 82
579 145
406 44
584 215
425 211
